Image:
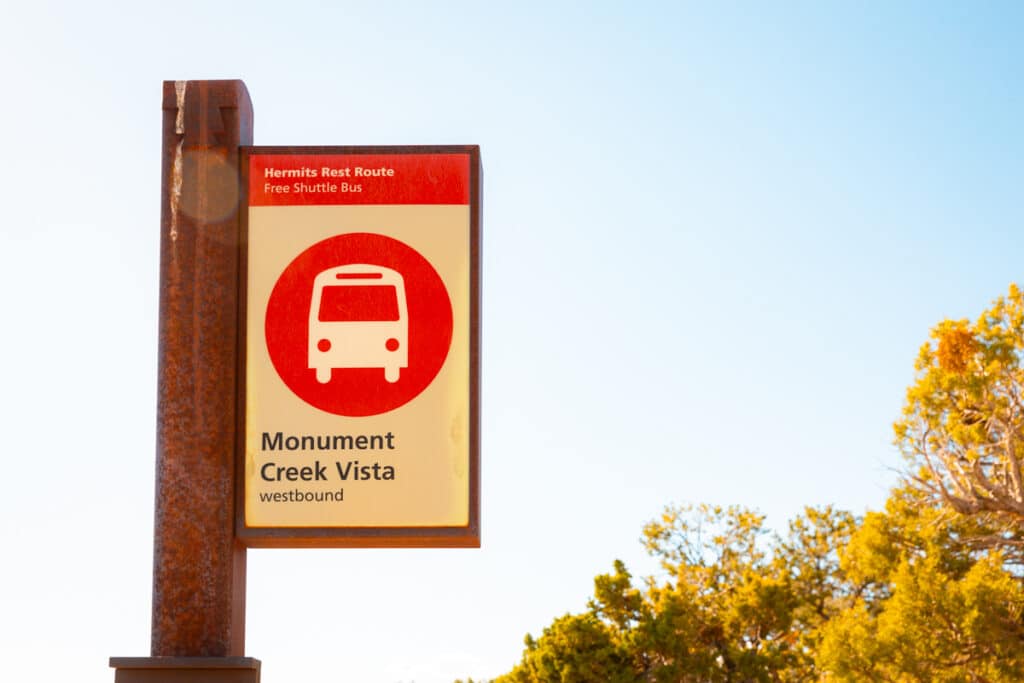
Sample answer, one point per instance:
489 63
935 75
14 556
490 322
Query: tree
962 429
733 605
929 589
573 649
726 612
926 606
900 596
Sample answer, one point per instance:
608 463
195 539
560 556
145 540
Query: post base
185 669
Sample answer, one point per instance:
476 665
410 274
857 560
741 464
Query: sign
361 343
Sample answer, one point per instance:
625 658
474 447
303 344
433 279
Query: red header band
325 179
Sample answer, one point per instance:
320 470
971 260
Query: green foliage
930 607
734 604
902 595
574 649
929 589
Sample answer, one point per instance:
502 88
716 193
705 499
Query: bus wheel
391 374
323 375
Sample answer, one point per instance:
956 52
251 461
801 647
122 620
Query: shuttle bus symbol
358 319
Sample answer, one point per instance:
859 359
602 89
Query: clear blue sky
715 236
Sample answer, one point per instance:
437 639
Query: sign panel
361 342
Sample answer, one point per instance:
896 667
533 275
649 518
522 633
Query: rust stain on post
198 568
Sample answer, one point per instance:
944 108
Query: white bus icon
358 319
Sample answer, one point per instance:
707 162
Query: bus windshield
351 303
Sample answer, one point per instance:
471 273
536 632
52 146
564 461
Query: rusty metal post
198 567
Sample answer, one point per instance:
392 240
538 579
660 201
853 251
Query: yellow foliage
956 348
962 429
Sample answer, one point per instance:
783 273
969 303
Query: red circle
358 391
324 345
391 344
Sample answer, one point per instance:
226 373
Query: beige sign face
358 343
